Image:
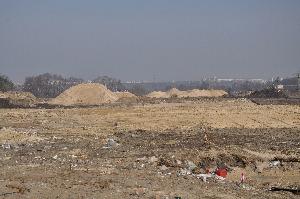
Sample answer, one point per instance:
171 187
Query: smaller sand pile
85 94
126 97
18 95
125 94
19 99
158 94
205 93
190 93
174 92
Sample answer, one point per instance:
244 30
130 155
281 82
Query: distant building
279 87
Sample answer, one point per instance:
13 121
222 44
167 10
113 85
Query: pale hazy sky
139 39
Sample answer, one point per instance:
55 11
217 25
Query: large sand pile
190 93
85 94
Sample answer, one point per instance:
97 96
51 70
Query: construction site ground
65 153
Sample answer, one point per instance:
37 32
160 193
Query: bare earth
63 153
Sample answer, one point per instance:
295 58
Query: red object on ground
221 172
242 178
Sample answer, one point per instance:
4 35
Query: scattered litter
246 187
110 143
190 165
275 163
153 159
220 178
221 173
242 178
242 183
73 156
184 172
218 174
163 168
204 176
6 146
178 162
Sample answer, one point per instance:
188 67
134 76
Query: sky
159 40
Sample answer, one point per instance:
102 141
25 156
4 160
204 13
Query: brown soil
62 153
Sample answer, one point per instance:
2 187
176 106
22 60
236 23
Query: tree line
51 85
5 83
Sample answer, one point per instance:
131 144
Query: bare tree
111 83
48 85
5 83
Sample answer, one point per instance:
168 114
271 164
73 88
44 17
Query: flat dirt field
151 150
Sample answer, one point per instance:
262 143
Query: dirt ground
146 150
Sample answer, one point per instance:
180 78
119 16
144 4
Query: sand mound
15 95
190 93
85 94
126 97
18 98
158 94
174 92
205 93
125 94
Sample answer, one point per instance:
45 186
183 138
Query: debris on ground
183 172
190 165
204 176
221 172
155 149
163 168
242 180
6 146
153 159
111 143
275 163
